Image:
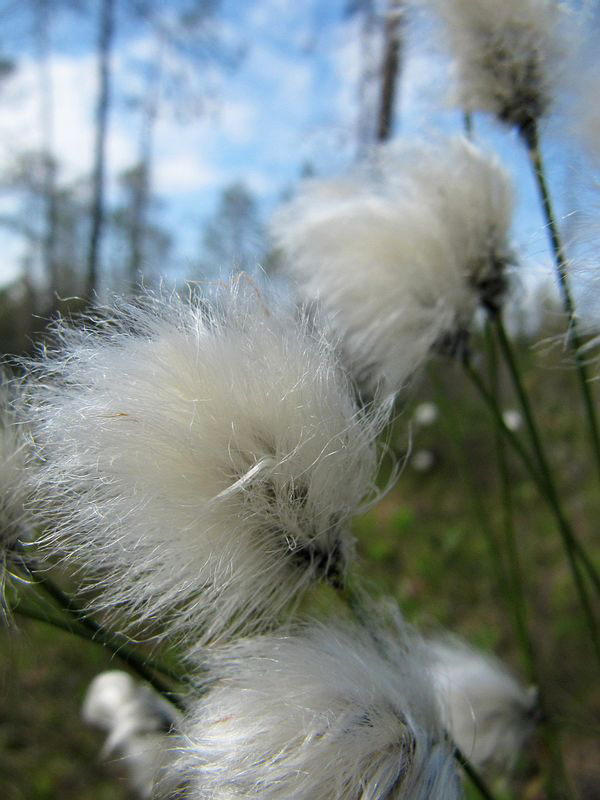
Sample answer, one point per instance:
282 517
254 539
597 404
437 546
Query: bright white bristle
488 713
322 715
201 459
401 254
13 453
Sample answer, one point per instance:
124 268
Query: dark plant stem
96 632
480 514
105 40
515 575
517 446
572 548
468 124
390 68
556 772
473 775
532 143
130 658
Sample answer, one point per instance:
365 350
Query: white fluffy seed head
13 450
322 715
200 460
508 54
401 254
488 713
139 725
118 705
585 110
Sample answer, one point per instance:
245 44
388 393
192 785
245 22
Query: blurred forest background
197 119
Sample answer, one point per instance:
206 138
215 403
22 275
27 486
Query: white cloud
237 121
74 98
184 172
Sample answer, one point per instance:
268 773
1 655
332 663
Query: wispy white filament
13 449
489 714
201 460
140 731
402 253
507 52
323 715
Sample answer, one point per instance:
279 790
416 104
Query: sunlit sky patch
287 98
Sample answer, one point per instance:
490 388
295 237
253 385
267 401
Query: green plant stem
572 548
116 642
531 139
494 409
468 124
473 775
50 619
515 575
132 660
517 446
556 771
482 518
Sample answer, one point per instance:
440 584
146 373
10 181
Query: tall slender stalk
473 775
532 469
104 46
390 69
532 143
572 548
133 661
96 632
479 511
556 772
468 124
516 591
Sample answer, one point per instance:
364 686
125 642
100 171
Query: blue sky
289 101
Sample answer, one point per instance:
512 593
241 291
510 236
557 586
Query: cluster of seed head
201 461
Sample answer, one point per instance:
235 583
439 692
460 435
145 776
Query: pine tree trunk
105 38
390 69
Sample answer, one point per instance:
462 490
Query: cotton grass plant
207 459
508 55
197 461
402 254
194 462
488 712
341 717
13 493
140 728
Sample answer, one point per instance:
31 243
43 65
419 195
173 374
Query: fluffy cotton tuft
200 460
488 713
139 725
318 716
13 450
585 110
507 52
401 254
